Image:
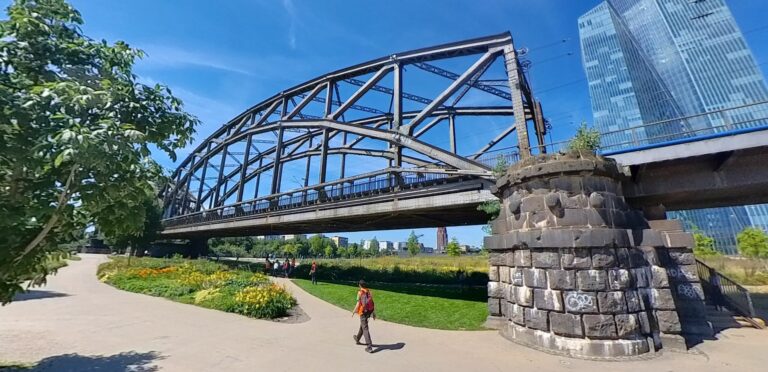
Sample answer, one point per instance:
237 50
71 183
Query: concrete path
77 323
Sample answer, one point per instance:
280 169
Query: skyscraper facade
652 64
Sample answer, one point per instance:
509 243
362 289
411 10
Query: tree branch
63 198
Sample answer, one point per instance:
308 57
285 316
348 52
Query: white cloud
171 56
291 10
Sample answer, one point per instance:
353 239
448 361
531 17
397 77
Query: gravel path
77 323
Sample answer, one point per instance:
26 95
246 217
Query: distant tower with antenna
442 239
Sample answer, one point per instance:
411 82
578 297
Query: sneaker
369 350
356 340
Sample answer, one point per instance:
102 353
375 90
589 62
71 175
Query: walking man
313 272
365 309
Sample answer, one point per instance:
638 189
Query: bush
471 270
199 282
586 139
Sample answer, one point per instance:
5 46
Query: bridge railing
720 290
336 191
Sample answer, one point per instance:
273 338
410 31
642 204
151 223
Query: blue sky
223 57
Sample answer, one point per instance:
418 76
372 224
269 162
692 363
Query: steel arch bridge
234 183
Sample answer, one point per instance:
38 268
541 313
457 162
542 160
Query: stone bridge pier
575 271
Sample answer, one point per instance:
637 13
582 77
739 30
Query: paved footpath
77 323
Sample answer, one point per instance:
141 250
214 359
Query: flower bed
201 283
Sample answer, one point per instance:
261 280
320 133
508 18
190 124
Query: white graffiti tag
579 302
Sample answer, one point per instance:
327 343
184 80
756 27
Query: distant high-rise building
664 60
340 241
442 238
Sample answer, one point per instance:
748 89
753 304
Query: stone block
516 276
536 278
545 258
504 274
636 258
591 280
596 200
644 322
612 302
495 290
683 273
557 238
522 257
622 255
678 239
666 225
552 200
634 303
651 256
618 279
580 302
516 314
497 258
547 299
578 201
603 258
682 257
504 308
598 217
572 217
537 319
661 299
659 277
539 219
649 238
627 325
493 274
689 291
510 293
494 307
494 242
576 258
668 321
561 279
524 296
568 325
532 203
509 259
514 200
599 326
641 277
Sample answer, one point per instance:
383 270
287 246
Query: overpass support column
575 271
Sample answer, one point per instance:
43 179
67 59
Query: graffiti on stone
678 273
579 302
687 291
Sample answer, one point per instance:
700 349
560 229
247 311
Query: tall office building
663 63
442 238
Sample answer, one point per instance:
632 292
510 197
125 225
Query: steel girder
299 134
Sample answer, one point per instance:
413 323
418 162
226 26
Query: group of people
280 269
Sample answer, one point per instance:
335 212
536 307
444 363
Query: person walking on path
365 309
313 272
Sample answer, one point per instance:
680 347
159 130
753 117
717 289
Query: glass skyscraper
654 66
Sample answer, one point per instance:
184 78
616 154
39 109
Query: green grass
15 366
438 307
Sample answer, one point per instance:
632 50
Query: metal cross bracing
312 121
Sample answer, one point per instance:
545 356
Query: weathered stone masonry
574 270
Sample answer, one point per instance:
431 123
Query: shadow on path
397 346
128 361
37 295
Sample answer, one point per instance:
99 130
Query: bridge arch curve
311 121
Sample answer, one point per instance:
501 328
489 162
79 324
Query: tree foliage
586 139
753 243
413 244
705 246
452 248
76 128
374 245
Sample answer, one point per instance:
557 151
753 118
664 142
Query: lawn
439 307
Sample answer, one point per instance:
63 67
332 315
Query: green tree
753 243
413 244
452 248
316 246
353 250
704 246
501 166
586 139
290 250
374 246
76 128
328 250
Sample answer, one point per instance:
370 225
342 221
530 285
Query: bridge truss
360 111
